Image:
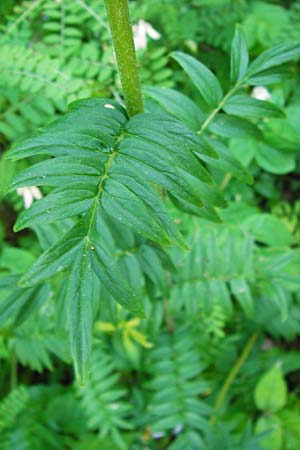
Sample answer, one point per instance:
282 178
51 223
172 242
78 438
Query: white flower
114 406
109 106
158 434
29 193
140 33
178 429
261 93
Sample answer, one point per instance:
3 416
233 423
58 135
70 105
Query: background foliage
215 365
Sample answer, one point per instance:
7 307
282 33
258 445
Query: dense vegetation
156 253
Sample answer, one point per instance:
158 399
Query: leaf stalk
233 374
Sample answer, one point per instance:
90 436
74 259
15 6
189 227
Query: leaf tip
24 282
18 226
81 380
249 179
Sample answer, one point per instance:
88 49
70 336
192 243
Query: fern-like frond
32 72
21 113
219 265
18 304
103 399
11 406
176 384
36 342
32 429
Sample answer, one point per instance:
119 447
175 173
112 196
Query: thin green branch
233 373
14 372
215 111
121 31
226 180
218 108
92 13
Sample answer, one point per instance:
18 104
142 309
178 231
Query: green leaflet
63 254
204 80
59 205
273 57
268 229
272 426
21 302
269 76
231 127
276 293
271 391
213 152
153 268
111 276
244 106
242 293
178 105
268 157
79 296
227 162
274 160
56 259
58 172
239 56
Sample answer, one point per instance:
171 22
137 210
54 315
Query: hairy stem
121 31
233 373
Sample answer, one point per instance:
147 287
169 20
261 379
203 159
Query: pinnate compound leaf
108 167
204 80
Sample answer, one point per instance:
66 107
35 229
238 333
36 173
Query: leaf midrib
103 177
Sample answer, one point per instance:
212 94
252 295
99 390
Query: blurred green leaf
271 391
274 439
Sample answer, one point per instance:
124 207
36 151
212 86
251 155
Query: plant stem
14 372
215 111
226 181
121 31
233 373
